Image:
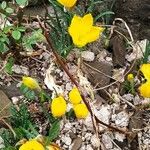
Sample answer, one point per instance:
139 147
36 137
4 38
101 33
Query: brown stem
46 34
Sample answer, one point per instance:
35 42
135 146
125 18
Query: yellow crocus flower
30 83
32 145
74 96
145 69
67 3
58 106
130 77
144 89
81 111
82 30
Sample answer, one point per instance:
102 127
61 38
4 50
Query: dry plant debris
93 99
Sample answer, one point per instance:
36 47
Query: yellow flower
67 3
30 83
82 30
74 96
58 106
130 77
81 111
32 145
145 89
145 69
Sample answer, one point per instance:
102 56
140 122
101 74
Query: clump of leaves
30 40
9 65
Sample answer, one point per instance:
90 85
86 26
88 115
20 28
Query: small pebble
95 141
107 141
15 100
88 56
66 140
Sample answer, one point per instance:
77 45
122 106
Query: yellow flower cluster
80 109
35 145
145 87
59 106
81 29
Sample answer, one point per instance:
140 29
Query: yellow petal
74 96
81 111
67 3
144 90
88 20
145 69
94 34
79 40
32 145
58 106
30 83
76 25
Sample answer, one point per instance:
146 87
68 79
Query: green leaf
103 14
2 47
70 115
30 95
21 29
54 131
43 96
8 67
22 2
24 89
4 5
147 52
16 34
9 10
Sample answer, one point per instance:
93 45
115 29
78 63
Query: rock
11 91
15 100
95 141
5 104
66 140
119 137
97 77
88 56
102 55
107 141
117 44
88 123
103 114
77 143
121 119
68 86
1 143
136 122
88 136
89 147
20 70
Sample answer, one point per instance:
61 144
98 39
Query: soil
137 15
